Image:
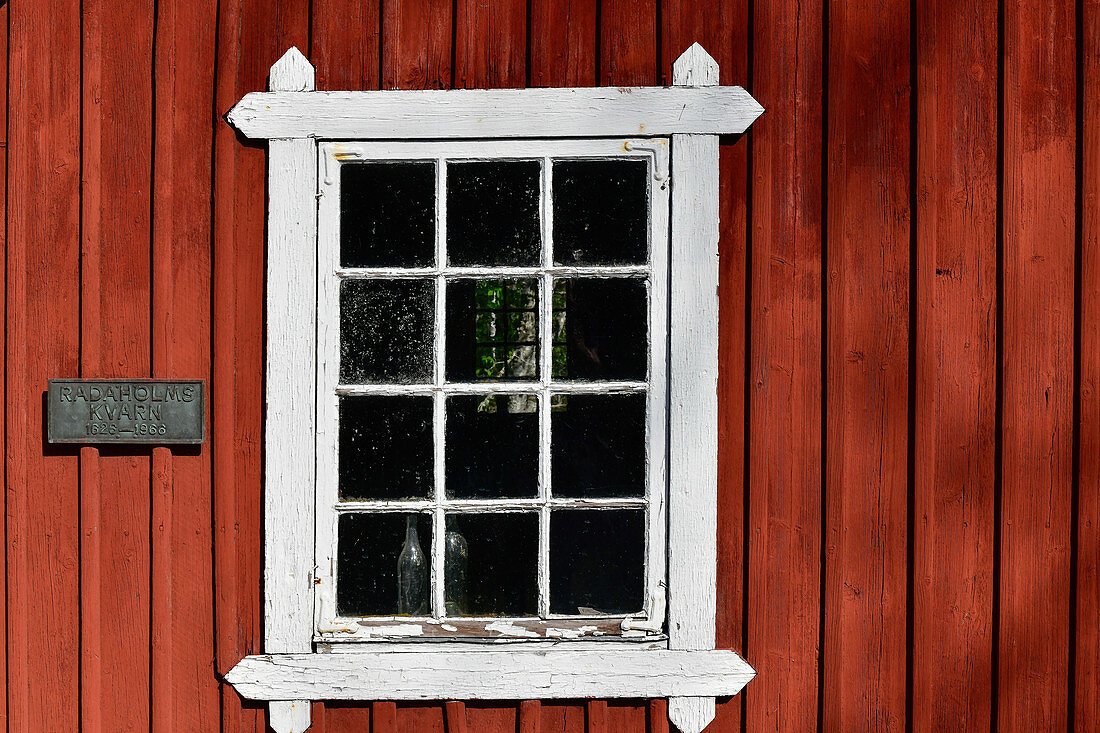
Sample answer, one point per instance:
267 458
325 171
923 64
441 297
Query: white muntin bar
484 388
494 272
546 359
439 405
486 506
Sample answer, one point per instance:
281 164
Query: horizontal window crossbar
495 273
489 506
481 388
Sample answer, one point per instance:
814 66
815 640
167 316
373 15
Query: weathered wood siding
909 498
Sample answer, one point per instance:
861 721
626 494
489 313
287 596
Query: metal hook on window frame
659 150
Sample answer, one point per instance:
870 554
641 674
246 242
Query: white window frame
648 625
298 664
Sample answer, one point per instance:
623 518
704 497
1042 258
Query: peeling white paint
508 628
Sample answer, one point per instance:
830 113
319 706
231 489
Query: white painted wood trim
490 675
693 404
495 113
289 456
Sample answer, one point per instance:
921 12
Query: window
491 408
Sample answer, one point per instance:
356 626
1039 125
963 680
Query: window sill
493 674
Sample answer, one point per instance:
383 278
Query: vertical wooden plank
784 563
252 34
4 29
384 717
628 42
490 44
955 380
530 717
563 37
115 342
1086 699
1037 438
345 44
867 365
596 718
723 30
42 340
416 38
456 717
184 693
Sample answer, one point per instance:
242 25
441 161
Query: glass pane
385 448
383 563
386 331
493 213
598 445
597 561
387 214
492 446
501 573
492 330
601 212
600 328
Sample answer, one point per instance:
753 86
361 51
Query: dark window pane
601 212
598 445
385 447
387 214
501 564
600 329
492 446
492 330
383 563
597 561
493 213
386 331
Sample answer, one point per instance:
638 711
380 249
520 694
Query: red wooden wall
910 312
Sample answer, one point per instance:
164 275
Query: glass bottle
412 573
456 554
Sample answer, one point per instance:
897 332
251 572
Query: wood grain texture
3 383
1086 699
563 37
116 198
867 366
43 324
478 113
954 419
417 42
1038 301
489 675
344 44
784 580
184 692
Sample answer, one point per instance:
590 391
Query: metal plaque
150 411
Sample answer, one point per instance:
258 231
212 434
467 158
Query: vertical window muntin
545 387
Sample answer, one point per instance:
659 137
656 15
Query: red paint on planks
344 43
115 342
43 324
3 384
954 420
1086 699
563 38
867 362
784 563
416 38
1037 438
384 717
184 690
